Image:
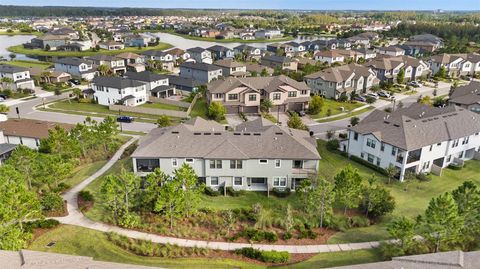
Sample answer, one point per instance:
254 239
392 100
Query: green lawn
75 240
333 259
200 109
39 52
82 172
16 32
335 108
231 40
164 106
349 115
29 63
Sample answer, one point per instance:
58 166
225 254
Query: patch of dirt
83 205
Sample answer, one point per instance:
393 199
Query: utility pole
121 125
18 112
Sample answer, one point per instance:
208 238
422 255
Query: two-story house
132 61
245 94
281 62
329 56
415 139
200 55
116 64
156 85
201 72
268 34
232 68
342 80
157 57
248 52
257 156
456 64
386 68
467 96
221 52
19 77
76 67
391 51
118 90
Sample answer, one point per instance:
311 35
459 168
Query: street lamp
119 114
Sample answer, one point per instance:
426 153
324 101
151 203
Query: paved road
76 217
319 129
26 109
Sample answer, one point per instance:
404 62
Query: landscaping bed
331 107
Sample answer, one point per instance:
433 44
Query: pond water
8 41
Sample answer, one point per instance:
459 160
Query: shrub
343 135
86 196
389 250
367 164
61 187
249 253
359 221
42 224
52 202
211 192
332 145
423 177
270 236
281 192
339 223
274 256
307 234
287 235
130 220
232 192
455 166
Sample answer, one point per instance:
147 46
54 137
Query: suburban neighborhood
184 136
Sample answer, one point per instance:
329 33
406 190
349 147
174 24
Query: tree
50 169
391 171
105 70
330 134
12 56
191 191
61 143
264 73
315 105
24 159
401 76
442 72
265 105
170 200
163 121
354 120
229 220
216 111
348 187
467 198
426 100
441 223
77 92
295 122
377 201
402 229
17 204
289 221
47 47
4 109
151 186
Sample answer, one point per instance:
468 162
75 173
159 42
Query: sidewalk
76 217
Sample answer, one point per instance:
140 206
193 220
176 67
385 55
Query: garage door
250 109
295 106
232 109
281 108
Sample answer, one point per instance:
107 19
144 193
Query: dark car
126 119
74 81
3 96
360 98
301 113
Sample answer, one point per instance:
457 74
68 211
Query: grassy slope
28 63
163 106
16 32
326 260
20 49
334 107
231 40
349 115
82 172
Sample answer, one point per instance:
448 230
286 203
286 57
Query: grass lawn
39 52
16 32
335 108
230 40
326 260
82 172
29 63
200 109
163 106
349 115
75 240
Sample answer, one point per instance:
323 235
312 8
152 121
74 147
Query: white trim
218 181
280 179
279 163
237 184
174 162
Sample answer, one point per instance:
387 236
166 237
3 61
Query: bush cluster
41 224
52 201
264 256
86 196
211 192
343 223
281 192
257 236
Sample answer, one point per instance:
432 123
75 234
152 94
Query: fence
151 111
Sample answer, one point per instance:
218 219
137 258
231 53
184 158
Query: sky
267 4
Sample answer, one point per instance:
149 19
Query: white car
371 94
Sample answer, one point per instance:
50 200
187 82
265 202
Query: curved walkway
76 217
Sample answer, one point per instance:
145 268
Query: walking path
76 217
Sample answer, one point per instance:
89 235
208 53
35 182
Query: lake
8 41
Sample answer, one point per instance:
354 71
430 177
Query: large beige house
245 94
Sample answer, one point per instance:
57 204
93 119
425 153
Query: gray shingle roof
200 66
218 48
116 82
196 50
419 125
341 73
206 139
71 61
466 95
9 69
268 84
145 76
5 148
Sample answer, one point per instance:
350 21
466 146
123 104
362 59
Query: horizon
306 5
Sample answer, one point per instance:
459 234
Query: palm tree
6 81
77 92
45 76
104 70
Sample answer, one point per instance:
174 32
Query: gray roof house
117 90
282 62
156 84
417 139
19 75
76 67
467 96
221 52
202 72
257 156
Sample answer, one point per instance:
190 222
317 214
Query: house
183 84
200 55
456 65
342 80
248 52
439 260
258 69
117 65
65 31
364 39
201 72
321 44
53 77
155 83
220 52
386 68
178 54
165 59
268 34
47 42
232 68
344 43
411 50
329 56
111 45
136 40
426 42
118 90
245 94
467 96
391 51
289 49
365 53
27 132
132 61
417 139
19 77
257 156
76 67
5 150
281 62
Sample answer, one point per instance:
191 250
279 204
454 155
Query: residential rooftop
30 128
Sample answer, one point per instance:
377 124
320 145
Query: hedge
264 256
367 164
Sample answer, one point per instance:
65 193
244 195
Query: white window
263 161
370 143
279 181
214 181
189 160
174 162
278 163
237 181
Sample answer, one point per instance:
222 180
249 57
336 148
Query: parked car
74 81
126 119
2 99
371 94
384 94
301 113
414 84
3 96
360 98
